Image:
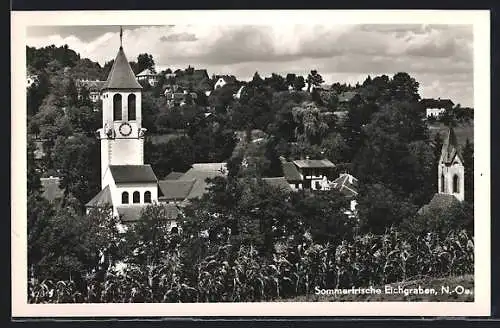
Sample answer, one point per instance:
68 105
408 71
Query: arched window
117 107
174 230
131 107
147 197
442 182
136 198
456 188
124 197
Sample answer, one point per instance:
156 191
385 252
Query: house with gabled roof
148 75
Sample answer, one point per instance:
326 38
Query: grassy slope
466 281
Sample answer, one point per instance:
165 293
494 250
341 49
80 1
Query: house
237 95
94 88
180 98
222 80
148 75
308 173
451 172
435 107
348 186
434 112
31 79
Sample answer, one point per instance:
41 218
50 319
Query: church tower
121 135
451 168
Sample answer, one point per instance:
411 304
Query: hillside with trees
243 236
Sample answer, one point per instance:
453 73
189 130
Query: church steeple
451 168
122 134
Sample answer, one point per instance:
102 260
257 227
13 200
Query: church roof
450 148
201 172
439 201
121 75
103 198
132 173
174 189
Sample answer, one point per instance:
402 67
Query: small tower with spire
451 168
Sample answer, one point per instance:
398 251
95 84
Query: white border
481 25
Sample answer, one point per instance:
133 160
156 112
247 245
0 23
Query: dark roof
90 85
121 75
173 175
174 189
450 148
313 163
279 182
439 201
51 189
133 213
132 173
346 184
290 171
200 172
102 198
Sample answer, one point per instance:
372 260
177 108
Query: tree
404 88
380 208
276 82
174 155
144 61
314 79
323 215
83 119
299 83
33 175
76 159
71 93
468 155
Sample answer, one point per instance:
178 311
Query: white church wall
133 187
127 152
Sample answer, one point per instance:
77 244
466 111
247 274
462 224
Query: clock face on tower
125 129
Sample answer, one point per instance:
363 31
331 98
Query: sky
439 57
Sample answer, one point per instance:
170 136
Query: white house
149 76
223 80
434 112
308 173
31 79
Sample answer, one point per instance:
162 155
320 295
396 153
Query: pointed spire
450 147
121 75
121 38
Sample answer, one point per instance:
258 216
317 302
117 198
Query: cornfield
240 274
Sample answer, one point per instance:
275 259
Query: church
451 174
127 183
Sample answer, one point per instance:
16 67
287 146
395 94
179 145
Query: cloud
179 37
